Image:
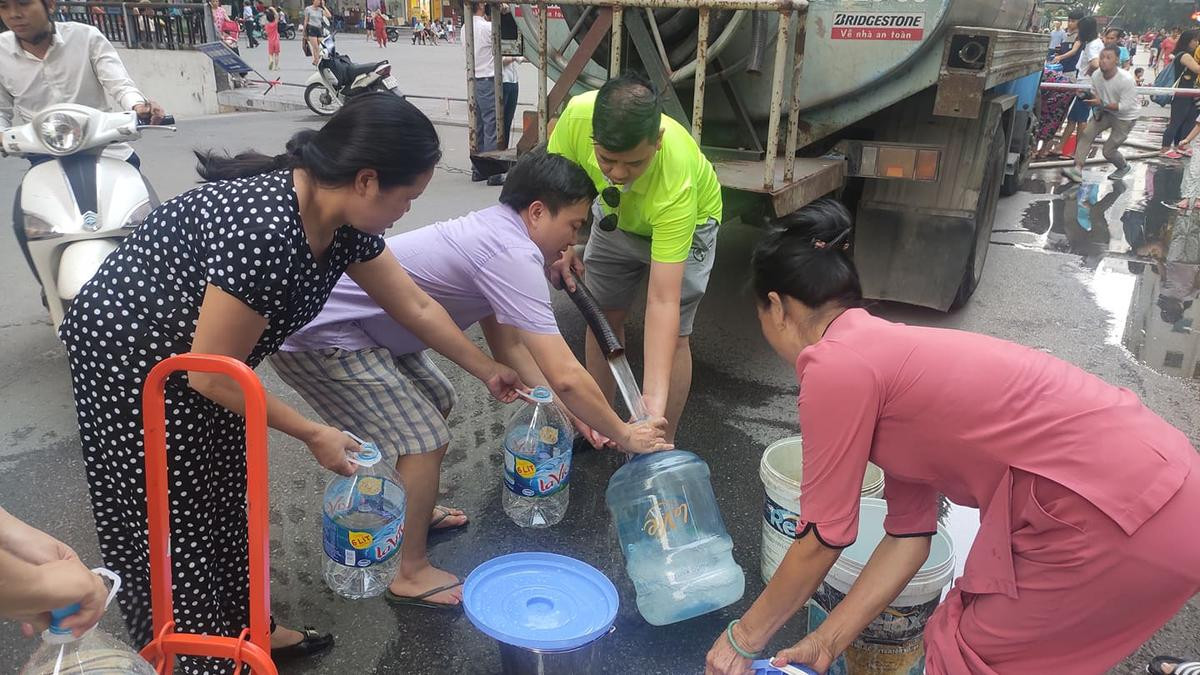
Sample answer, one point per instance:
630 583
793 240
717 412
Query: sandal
444 512
313 643
1181 667
420 600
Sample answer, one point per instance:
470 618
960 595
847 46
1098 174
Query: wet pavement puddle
1139 257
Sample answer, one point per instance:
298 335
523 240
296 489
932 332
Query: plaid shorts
398 402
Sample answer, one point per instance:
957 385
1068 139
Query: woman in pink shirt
1088 500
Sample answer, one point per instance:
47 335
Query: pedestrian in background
218 14
315 21
249 24
272 30
1057 37
1115 37
1090 45
1183 108
1114 94
379 21
1190 187
511 88
485 86
1052 109
1070 48
1168 47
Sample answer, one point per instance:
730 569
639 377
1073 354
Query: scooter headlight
61 133
36 228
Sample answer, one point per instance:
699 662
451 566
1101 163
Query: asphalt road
1044 286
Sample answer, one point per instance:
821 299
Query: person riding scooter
43 62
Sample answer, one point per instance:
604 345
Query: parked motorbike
393 33
338 78
287 30
78 201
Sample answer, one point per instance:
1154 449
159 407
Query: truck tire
1012 182
985 215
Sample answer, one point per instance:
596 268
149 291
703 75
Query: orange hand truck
253 646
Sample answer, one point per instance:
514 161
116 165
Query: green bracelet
733 643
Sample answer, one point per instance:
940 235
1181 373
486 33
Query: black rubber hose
758 42
586 302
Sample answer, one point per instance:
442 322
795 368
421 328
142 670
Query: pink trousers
1089 595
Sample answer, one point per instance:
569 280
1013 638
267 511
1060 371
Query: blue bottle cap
540 601
368 455
57 615
764 667
542 395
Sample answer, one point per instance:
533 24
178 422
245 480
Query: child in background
1139 75
379 23
272 30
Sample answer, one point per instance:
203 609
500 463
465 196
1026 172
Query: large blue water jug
677 551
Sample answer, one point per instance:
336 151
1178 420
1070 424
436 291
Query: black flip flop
420 601
444 513
313 643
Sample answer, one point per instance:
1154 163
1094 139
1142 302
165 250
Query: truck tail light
891 160
927 165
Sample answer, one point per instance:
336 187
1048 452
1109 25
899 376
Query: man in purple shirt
362 371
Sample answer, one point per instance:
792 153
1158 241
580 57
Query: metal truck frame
924 184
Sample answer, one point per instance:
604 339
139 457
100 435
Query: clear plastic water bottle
537 462
363 526
93 653
677 551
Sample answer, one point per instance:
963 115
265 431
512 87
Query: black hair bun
825 222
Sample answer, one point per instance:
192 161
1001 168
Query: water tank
851 45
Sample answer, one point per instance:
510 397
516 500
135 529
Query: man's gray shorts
398 402
617 263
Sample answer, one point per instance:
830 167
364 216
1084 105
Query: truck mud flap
914 240
912 256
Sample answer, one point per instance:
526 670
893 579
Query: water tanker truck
918 114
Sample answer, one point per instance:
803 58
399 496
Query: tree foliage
1139 15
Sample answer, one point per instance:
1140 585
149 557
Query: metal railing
610 14
139 25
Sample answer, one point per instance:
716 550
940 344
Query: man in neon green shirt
658 210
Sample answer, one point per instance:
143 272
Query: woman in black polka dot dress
233 267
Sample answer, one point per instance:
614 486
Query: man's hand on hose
565 270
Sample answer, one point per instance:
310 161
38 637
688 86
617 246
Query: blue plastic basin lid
540 601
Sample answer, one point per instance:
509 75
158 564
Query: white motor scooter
337 78
76 206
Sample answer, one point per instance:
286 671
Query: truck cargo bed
814 178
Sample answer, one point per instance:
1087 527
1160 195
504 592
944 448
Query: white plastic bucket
892 644
781 471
